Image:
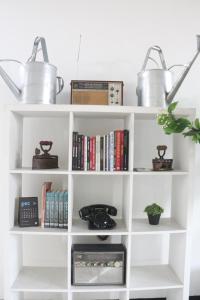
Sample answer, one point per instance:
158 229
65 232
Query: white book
107 153
98 153
85 153
111 151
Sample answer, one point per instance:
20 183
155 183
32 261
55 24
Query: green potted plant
154 212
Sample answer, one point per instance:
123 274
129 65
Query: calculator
28 212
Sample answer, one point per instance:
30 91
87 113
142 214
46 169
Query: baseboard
194 298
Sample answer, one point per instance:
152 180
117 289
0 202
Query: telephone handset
98 216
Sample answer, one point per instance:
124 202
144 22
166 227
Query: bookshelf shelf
157 256
80 228
38 231
41 279
154 278
106 173
96 289
153 173
38 172
166 225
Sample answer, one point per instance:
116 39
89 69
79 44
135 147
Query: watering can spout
178 83
10 83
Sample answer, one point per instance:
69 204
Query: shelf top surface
154 277
82 110
60 171
41 279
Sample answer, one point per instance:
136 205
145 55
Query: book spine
106 166
88 153
118 145
107 153
74 150
126 149
104 156
65 210
93 153
115 139
47 210
82 152
98 153
52 196
56 209
61 210
101 153
91 150
122 150
79 143
112 151
85 153
45 188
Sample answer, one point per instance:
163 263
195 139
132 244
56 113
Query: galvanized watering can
39 81
155 86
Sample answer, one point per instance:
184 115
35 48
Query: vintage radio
97 92
98 264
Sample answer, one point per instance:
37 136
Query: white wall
115 38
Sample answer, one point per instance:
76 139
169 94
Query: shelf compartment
41 279
27 132
166 225
80 227
37 231
153 277
111 190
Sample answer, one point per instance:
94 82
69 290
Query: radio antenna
78 56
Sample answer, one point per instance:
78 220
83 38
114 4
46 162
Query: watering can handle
60 84
35 49
158 49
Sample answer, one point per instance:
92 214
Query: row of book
109 152
54 207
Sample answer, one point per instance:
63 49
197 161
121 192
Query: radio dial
117 264
89 264
112 88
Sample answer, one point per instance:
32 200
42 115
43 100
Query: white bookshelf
39 260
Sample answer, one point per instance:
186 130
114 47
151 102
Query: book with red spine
46 187
91 150
118 150
93 153
122 150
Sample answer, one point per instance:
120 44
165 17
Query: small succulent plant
153 209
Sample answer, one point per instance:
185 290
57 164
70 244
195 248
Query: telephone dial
99 216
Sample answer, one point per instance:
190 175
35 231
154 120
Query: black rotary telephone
99 216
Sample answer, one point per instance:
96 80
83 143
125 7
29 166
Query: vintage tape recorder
98 264
97 92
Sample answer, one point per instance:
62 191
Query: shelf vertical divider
129 124
14 139
69 246
70 201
